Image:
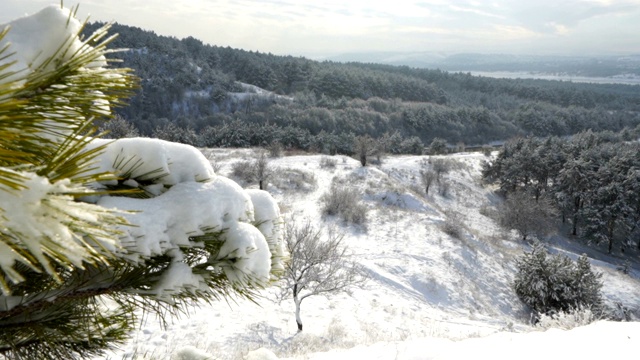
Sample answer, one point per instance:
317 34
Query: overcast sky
326 27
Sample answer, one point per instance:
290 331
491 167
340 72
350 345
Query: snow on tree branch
144 222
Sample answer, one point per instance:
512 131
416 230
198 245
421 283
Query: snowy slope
425 287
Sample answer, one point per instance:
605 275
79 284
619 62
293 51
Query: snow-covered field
429 296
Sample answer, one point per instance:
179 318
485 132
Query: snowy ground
430 295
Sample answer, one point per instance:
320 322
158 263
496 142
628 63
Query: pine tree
554 283
64 251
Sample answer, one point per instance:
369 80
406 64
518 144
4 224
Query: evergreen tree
553 283
118 128
438 146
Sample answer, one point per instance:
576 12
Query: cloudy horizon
311 29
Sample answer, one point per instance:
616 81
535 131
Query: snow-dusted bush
175 133
412 145
336 336
295 180
567 320
275 149
621 312
118 128
444 189
328 163
344 201
210 155
442 166
243 170
438 146
550 284
452 225
256 170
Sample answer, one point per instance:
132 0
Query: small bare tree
319 265
365 146
522 213
427 177
256 170
440 167
262 170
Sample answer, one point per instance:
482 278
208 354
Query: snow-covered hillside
430 288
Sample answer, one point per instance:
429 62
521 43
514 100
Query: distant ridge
589 66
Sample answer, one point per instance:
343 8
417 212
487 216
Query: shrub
567 320
345 202
328 163
441 167
250 171
118 128
438 146
293 180
364 146
243 170
275 149
412 145
551 284
427 178
452 225
443 189
172 132
209 154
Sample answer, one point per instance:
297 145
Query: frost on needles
138 224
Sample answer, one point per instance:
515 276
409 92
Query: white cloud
305 26
475 11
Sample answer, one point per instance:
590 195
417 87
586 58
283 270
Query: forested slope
201 90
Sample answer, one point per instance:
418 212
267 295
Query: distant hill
600 66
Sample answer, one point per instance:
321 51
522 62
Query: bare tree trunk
576 208
298 319
610 230
363 158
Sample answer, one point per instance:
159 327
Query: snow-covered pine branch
145 223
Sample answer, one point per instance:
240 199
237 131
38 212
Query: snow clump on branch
185 206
